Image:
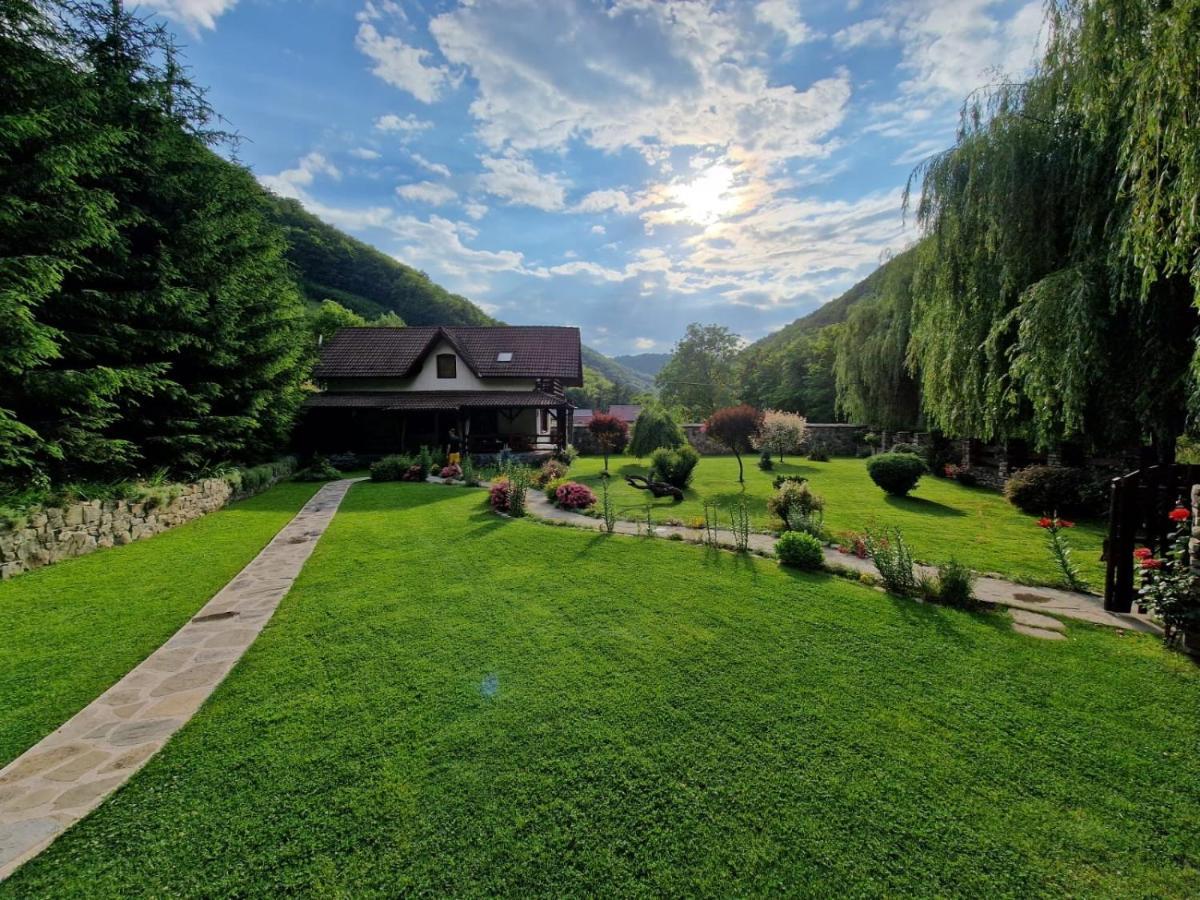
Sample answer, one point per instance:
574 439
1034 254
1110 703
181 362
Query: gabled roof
424 400
537 351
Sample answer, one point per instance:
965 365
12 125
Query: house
391 390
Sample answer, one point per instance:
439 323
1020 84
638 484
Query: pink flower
1148 564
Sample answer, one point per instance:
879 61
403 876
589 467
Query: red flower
1152 563
1044 522
1063 523
1143 553
1179 514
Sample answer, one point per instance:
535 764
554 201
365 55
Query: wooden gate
1137 516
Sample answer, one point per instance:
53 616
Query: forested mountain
648 364
332 265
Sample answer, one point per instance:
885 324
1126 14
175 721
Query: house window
447 364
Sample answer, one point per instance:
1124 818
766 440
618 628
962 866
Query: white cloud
192 14
401 65
291 182
427 192
865 33
784 17
644 343
601 201
475 210
638 74
365 153
597 229
518 181
407 126
434 167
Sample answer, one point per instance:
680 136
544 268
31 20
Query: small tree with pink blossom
780 432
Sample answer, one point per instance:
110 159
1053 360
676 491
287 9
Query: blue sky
627 166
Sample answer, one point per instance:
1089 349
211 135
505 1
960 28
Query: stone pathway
1034 603
69 773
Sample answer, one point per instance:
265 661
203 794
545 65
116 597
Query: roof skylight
504 356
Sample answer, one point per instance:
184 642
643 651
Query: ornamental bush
675 467
551 470
896 473
498 494
451 471
390 468
800 551
798 507
573 495
320 469
1045 490
655 428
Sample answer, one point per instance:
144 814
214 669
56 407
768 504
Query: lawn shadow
923 506
942 619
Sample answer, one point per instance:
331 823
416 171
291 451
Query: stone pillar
1194 543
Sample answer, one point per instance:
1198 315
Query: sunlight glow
707 197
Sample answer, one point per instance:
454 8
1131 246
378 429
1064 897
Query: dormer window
447 365
504 356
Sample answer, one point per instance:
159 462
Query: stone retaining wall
53 534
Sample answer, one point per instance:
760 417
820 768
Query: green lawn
939 519
72 629
452 703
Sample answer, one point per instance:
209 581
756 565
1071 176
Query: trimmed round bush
800 550
896 473
655 428
675 467
1046 490
573 495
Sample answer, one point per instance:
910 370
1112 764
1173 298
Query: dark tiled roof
538 351
425 400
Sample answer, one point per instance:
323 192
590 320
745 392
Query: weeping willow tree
873 381
1048 301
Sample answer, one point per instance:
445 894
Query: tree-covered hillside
649 364
332 265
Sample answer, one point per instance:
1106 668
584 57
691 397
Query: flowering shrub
893 559
551 470
498 494
452 471
961 474
856 547
798 507
573 495
415 472
1060 549
1169 588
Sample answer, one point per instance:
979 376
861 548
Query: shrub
764 461
818 453
961 474
415 472
655 428
390 468
955 584
872 439
452 471
498 494
551 489
896 473
551 470
905 447
781 480
320 469
798 507
675 467
425 460
1045 490
573 495
893 559
567 455
799 550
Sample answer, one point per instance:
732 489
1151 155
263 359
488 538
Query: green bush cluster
800 550
893 558
798 508
255 478
1046 490
390 468
896 473
674 466
654 428
320 469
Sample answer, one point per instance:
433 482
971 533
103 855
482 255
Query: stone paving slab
1036 620
70 772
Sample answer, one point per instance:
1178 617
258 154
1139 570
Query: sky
626 166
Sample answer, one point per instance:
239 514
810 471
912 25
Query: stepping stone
1036 620
1038 633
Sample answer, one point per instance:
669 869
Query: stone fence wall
56 533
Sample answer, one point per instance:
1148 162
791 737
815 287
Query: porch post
561 415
